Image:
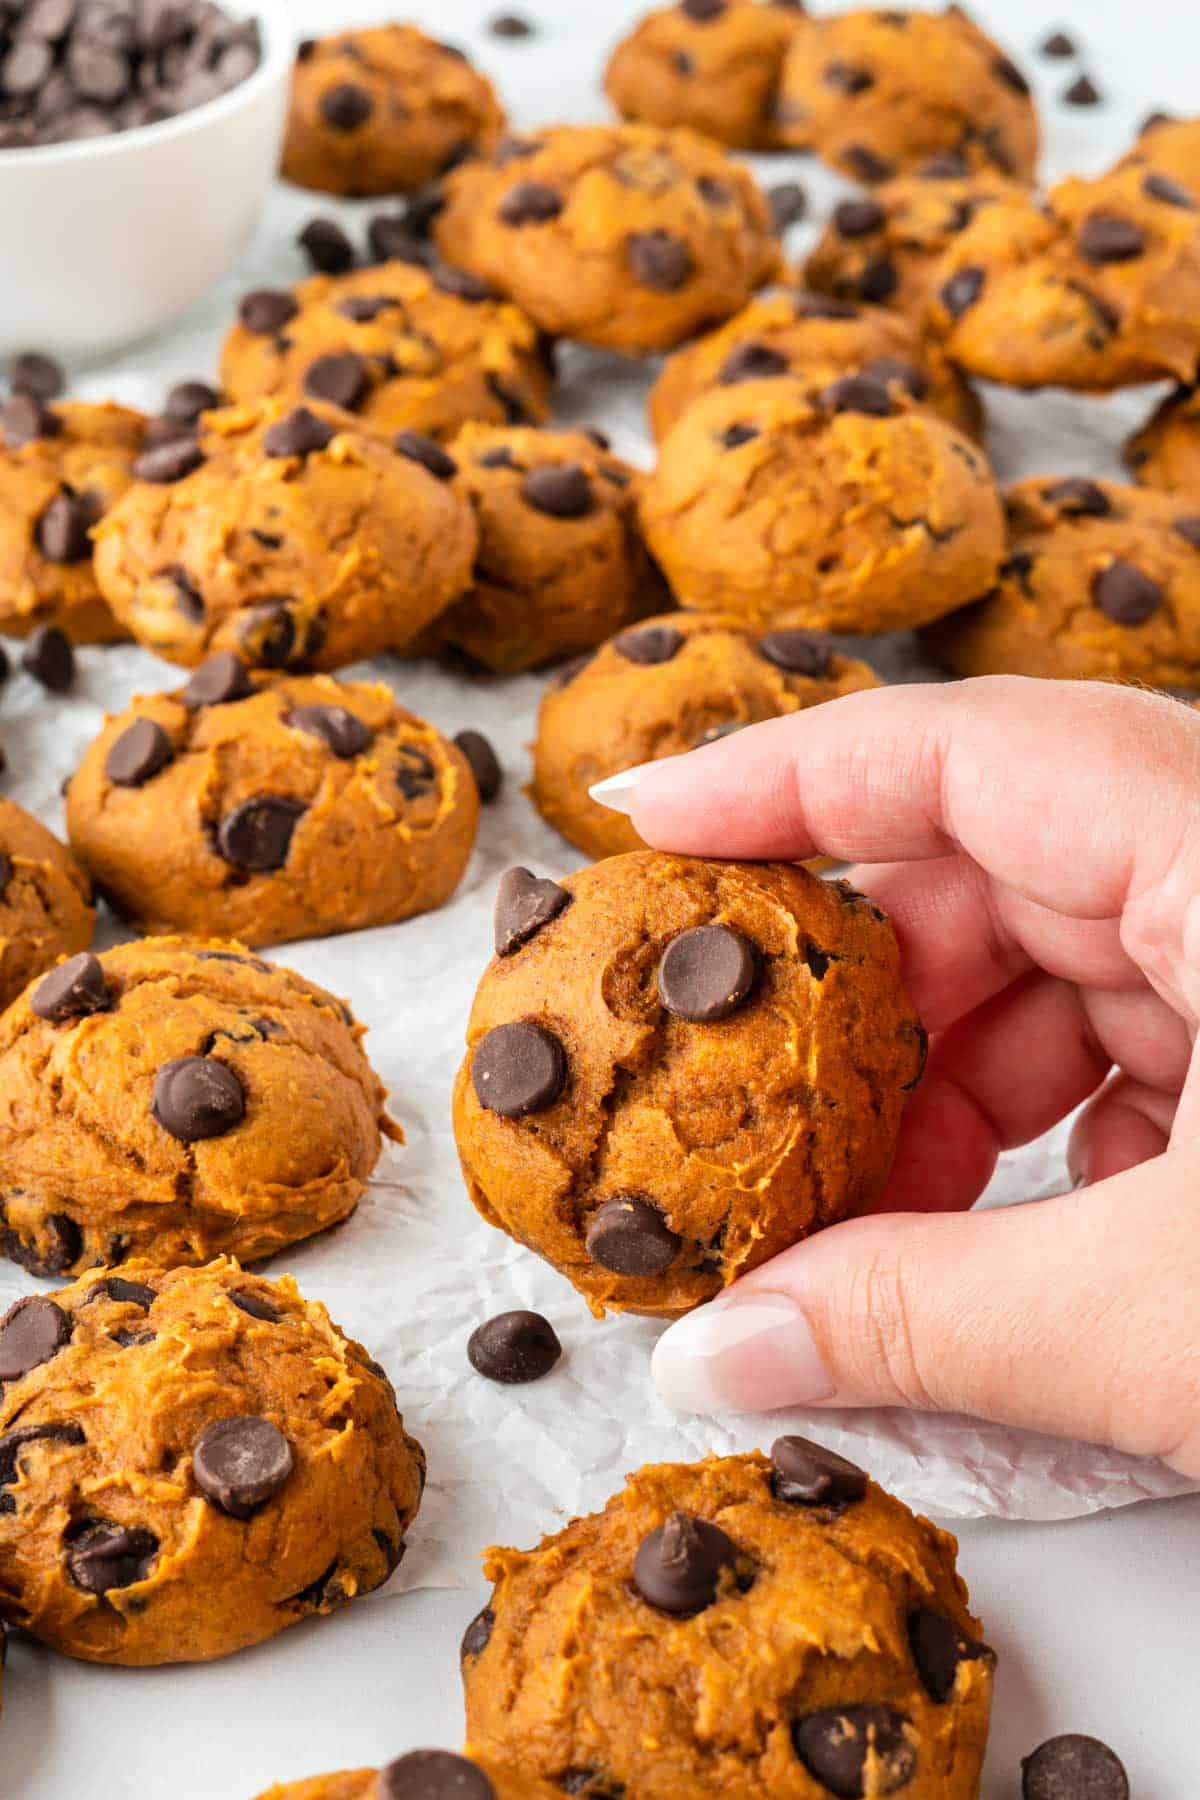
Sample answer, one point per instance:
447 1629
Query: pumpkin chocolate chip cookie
271 809
747 1628
190 1462
842 509
401 347
809 335
61 469
45 909
1170 149
421 1775
1102 581
178 1100
294 537
877 93
1095 287
713 65
1165 453
677 1068
626 236
384 111
660 689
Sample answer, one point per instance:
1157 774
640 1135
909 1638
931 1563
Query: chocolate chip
197 1097
63 533
1076 496
327 247
478 1635
823 306
530 203
172 461
1073 1768
267 310
1125 595
433 1775
415 774
268 633
132 1293
1007 71
787 203
240 1463
26 419
346 106
514 1347
31 1332
867 165
1083 92
877 282
961 291
298 433
944 165
562 490
257 835
13 1442
858 394
858 218
364 309
342 730
39 376
678 1567
629 1236
706 973
799 652
427 451
517 1069
1161 187
650 645
914 381
1189 529
510 25
734 436
844 1745
340 379
187 400
752 362
807 1474
658 261
938 1647
1058 44
524 904
59 1249
1106 237
75 989
142 749
702 10
102 1556
7 871
460 284
220 679
847 78
255 1307
484 764
49 658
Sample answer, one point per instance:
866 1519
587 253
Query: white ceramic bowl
104 241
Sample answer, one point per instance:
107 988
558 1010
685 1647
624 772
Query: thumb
1073 1316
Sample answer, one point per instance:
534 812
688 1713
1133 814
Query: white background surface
1094 1619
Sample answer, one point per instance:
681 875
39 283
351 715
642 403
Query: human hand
1037 845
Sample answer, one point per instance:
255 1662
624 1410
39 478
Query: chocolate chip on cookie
650 644
240 1463
630 1236
938 1648
219 680
561 490
298 433
433 1775
678 1567
267 310
102 1556
1125 594
420 448
341 379
74 990
138 754
808 1474
518 1069
198 1097
807 653
707 973
524 904
844 1746
31 1332
339 728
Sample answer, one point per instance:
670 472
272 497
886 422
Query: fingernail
741 1353
616 791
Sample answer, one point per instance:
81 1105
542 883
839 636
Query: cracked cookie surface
421 1775
295 807
177 1100
792 1646
45 901
300 540
191 1462
383 111
676 1068
780 503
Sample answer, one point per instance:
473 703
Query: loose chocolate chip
14 1441
658 261
844 1745
823 306
483 762
867 165
1086 499
187 400
427 451
327 247
914 381
1058 44
514 1347
415 775
787 203
255 1307
257 835
678 1567
629 1236
133 1293
298 433
434 1775
807 1474
197 1097
752 362
221 678
1105 238
734 436
511 25
1073 1768
63 533
346 106
517 1069
478 1634
165 463
340 379
240 1463
858 394
31 1332
267 310
847 78
877 282
938 1647
650 645
342 730
524 904
75 989
142 749
1189 529
1007 71
962 290
1161 187
1083 92
706 973
102 1556
858 218
799 652
1125 595
530 203
37 375
562 490
702 10
26 419
49 658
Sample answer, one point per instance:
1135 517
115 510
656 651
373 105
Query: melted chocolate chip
101 1555
961 291
31 1332
1079 497
240 1463
478 1635
169 462
13 1442
752 362
63 533
561 490
346 106
858 218
1126 595
524 904
131 1293
706 973
807 1474
298 433
629 1236
530 203
73 990
858 394
415 774
134 758
197 1097
1107 238
867 165
847 78
842 1745
518 1069
60 1248
658 261
255 1306
734 436
678 1567
914 381
650 645
514 1347
427 451
257 835
798 652
938 1647
337 727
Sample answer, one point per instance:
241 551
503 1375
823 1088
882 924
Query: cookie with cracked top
45 901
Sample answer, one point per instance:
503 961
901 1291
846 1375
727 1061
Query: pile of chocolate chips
72 69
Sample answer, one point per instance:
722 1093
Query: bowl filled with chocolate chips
138 140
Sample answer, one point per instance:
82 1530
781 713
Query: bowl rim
275 20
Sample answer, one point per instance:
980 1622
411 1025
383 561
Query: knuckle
887 1348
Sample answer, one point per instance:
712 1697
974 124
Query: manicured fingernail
741 1353
616 791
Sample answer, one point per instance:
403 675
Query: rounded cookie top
179 1099
420 1775
1102 581
1094 287
877 93
383 111
45 901
841 508
713 65
667 1060
61 469
561 563
293 536
790 333
1165 452
626 236
271 809
737 1627
403 348
1171 148
191 1462
660 689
